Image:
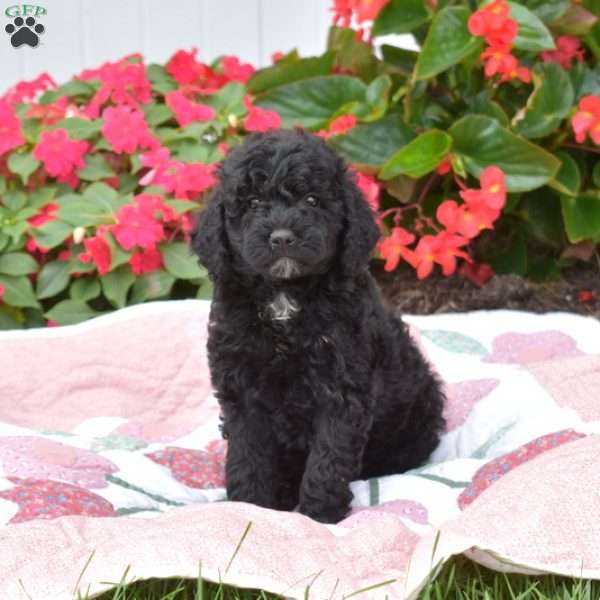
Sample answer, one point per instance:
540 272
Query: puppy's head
285 207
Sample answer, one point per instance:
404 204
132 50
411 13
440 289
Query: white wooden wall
85 33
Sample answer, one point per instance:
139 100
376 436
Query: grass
460 579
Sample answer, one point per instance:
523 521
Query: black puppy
319 384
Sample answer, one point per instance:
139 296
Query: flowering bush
476 153
99 179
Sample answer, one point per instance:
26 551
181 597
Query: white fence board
85 33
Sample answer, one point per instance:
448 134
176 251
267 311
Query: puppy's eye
255 202
312 200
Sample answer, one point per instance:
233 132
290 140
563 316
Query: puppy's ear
361 233
209 238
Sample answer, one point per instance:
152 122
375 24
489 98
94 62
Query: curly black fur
319 384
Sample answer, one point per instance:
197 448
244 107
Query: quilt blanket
111 460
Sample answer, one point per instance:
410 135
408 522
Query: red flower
26 91
442 249
123 82
182 179
260 119
60 155
568 49
184 68
186 111
146 261
587 119
498 59
585 296
276 57
338 126
444 167
97 251
367 10
478 273
342 12
2 290
126 130
518 72
393 247
155 207
370 189
493 23
234 70
10 128
493 189
136 227
467 220
50 113
47 213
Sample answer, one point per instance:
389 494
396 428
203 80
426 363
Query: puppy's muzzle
282 239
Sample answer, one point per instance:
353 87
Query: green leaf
447 43
481 141
84 289
205 291
568 179
103 195
419 157
116 284
41 197
31 129
542 211
69 312
160 79
513 259
373 143
312 102
533 34
483 105
180 262
352 54
453 341
549 104
22 164
52 233
581 215
53 279
82 213
595 174
288 71
150 286
547 10
18 291
400 58
400 16
14 201
197 151
18 263
80 129
76 87
96 168
578 21
10 318
229 100
157 114
181 206
377 98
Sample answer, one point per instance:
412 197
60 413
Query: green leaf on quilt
453 341
482 451
117 442
443 480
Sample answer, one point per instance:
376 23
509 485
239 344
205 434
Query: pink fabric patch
114 370
573 383
525 348
462 397
409 509
38 458
195 468
38 499
497 468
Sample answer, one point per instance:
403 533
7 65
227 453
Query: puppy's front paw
329 515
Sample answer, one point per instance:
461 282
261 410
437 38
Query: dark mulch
438 294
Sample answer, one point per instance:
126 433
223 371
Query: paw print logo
24 31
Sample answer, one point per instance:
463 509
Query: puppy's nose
282 238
